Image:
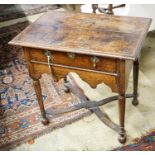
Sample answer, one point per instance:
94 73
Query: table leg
135 82
94 7
37 88
121 102
66 85
110 9
121 99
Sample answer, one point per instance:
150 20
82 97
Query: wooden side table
99 48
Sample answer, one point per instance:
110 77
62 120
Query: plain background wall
142 10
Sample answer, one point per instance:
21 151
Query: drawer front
93 79
76 60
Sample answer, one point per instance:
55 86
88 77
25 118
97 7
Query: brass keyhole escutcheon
71 55
48 53
94 60
49 57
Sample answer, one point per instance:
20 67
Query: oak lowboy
99 48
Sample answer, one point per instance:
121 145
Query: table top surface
101 35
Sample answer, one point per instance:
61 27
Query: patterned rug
146 143
19 112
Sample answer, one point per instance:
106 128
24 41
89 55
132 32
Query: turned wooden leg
37 88
122 135
94 7
66 85
121 99
135 82
110 9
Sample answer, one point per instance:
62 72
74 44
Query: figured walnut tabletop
100 48
111 36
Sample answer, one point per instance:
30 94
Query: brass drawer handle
71 55
94 60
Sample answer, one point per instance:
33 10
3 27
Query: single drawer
75 60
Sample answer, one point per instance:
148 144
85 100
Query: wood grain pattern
37 65
93 79
102 35
121 84
83 61
115 41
